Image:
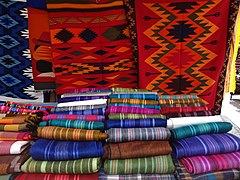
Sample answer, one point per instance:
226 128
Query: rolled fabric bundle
135 105
73 117
201 164
233 174
77 108
198 129
133 101
135 96
133 110
121 116
205 144
168 110
136 149
52 150
184 121
98 111
13 147
180 101
136 123
74 124
80 98
59 133
12 136
188 114
12 163
48 176
137 134
154 165
80 166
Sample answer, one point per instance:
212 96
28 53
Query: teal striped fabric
74 124
198 129
80 166
149 165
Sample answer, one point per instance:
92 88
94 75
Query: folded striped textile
12 163
205 144
175 97
20 119
59 133
201 164
14 127
184 121
148 165
13 110
166 110
122 116
183 106
80 98
77 108
84 104
136 149
52 150
131 110
128 90
136 105
12 136
198 129
24 105
133 101
74 124
137 134
103 176
180 101
217 175
80 166
99 111
84 94
135 96
136 123
188 114
13 147
87 90
31 176
73 117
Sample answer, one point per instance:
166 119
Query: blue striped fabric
80 98
206 144
136 123
135 96
99 111
44 149
136 105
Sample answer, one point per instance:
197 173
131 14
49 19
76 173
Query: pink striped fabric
201 164
73 117
5 147
11 136
131 110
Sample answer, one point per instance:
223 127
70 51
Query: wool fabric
73 117
121 116
52 150
73 124
206 144
198 129
131 110
180 101
154 165
59 133
177 97
136 123
137 134
136 149
80 166
201 164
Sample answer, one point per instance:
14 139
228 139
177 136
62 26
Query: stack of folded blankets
182 106
205 149
70 144
18 127
137 146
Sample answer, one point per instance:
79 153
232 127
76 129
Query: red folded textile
12 136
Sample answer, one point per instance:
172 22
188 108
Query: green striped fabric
149 165
198 129
80 166
122 116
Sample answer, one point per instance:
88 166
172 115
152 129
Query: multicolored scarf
13 147
136 149
73 117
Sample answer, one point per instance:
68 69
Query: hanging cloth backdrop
90 45
181 45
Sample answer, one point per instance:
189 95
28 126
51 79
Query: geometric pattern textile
181 45
90 45
15 59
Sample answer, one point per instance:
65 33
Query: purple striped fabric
132 110
73 117
201 164
80 98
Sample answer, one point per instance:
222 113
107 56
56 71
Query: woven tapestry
90 45
15 59
40 45
181 45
